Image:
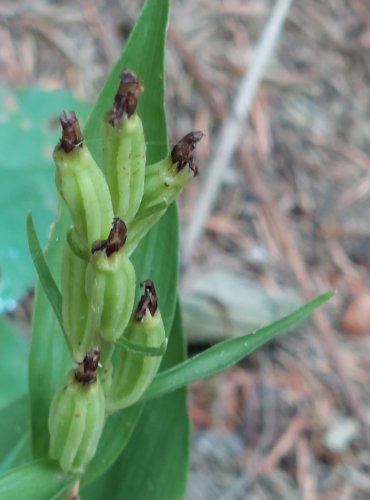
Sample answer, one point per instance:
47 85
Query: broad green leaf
13 362
227 353
154 463
14 430
49 356
28 131
157 256
37 480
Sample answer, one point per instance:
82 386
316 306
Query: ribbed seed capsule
134 372
82 184
110 284
75 305
76 417
164 181
124 149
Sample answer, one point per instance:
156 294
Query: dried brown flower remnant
125 100
115 241
86 374
183 152
148 300
72 137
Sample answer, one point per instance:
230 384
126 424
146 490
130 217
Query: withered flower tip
183 152
86 374
115 241
148 300
125 100
72 137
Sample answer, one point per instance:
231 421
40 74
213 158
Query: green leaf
154 463
37 480
49 356
14 430
46 279
28 131
13 362
227 353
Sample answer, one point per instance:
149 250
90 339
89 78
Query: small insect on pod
134 371
76 416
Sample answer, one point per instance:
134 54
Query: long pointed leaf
157 256
46 279
227 353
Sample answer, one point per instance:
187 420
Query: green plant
158 420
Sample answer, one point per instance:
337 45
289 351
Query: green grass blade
227 353
46 278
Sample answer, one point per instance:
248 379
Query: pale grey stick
232 129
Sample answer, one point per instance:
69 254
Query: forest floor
291 219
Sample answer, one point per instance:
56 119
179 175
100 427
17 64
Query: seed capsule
134 372
124 149
82 184
76 417
164 181
81 333
110 284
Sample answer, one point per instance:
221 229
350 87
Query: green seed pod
77 325
134 372
164 181
110 284
82 184
76 417
124 149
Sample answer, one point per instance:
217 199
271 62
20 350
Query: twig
283 445
232 128
306 476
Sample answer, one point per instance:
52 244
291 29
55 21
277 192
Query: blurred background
290 219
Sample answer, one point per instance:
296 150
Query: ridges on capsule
133 372
76 416
82 185
124 148
164 181
110 284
